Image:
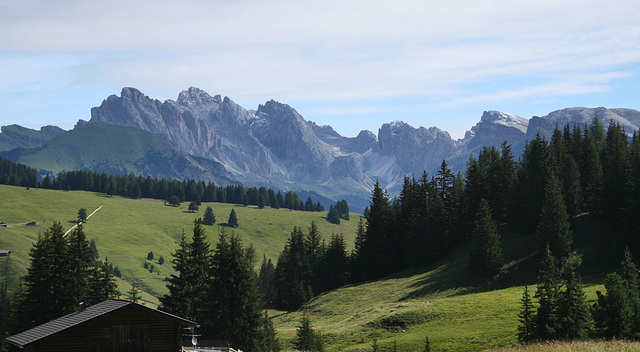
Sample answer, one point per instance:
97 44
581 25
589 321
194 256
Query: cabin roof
92 312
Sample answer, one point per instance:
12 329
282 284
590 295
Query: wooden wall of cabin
129 329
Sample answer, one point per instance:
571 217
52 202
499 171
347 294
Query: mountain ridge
275 146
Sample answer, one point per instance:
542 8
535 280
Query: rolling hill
126 230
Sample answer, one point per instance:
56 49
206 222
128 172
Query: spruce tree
307 339
80 266
134 293
526 317
269 339
486 256
102 284
233 306
267 283
575 317
547 321
293 273
613 312
233 219
178 300
554 226
209 217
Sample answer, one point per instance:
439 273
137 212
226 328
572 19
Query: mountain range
213 138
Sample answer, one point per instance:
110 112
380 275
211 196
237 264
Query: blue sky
350 64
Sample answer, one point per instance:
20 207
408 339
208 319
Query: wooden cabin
111 326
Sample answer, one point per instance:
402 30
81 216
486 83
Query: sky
354 65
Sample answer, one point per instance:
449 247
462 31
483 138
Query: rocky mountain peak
195 96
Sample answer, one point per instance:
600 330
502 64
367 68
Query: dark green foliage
613 312
486 258
427 344
134 293
547 320
554 227
332 270
193 206
533 175
267 283
174 201
269 341
82 215
233 219
526 317
307 339
62 273
161 260
150 255
209 217
333 216
103 285
233 303
293 273
342 208
373 261
575 317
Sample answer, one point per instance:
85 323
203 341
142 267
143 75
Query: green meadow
126 230
442 302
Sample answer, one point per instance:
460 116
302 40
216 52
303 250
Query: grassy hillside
126 230
120 150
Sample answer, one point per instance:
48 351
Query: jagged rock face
494 128
275 145
198 123
628 118
415 149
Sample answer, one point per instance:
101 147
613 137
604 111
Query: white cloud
465 52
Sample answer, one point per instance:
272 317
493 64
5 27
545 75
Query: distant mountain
14 136
121 150
216 139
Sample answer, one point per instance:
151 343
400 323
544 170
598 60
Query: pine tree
269 341
45 285
554 226
134 293
267 283
80 263
82 215
209 217
178 301
373 253
233 306
613 312
233 219
315 250
547 321
102 284
526 317
333 216
293 273
486 256
307 339
427 344
575 317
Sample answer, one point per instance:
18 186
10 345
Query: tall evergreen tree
533 175
209 217
80 266
373 255
526 317
293 273
102 284
591 173
547 320
267 283
233 306
233 219
178 301
613 312
575 316
486 258
307 339
616 171
554 226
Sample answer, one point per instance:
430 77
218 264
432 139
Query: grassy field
442 302
456 311
126 230
577 346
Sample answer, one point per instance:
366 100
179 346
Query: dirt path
76 225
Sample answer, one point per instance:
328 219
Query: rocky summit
276 147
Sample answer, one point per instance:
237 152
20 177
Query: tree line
62 272
135 187
581 170
216 287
